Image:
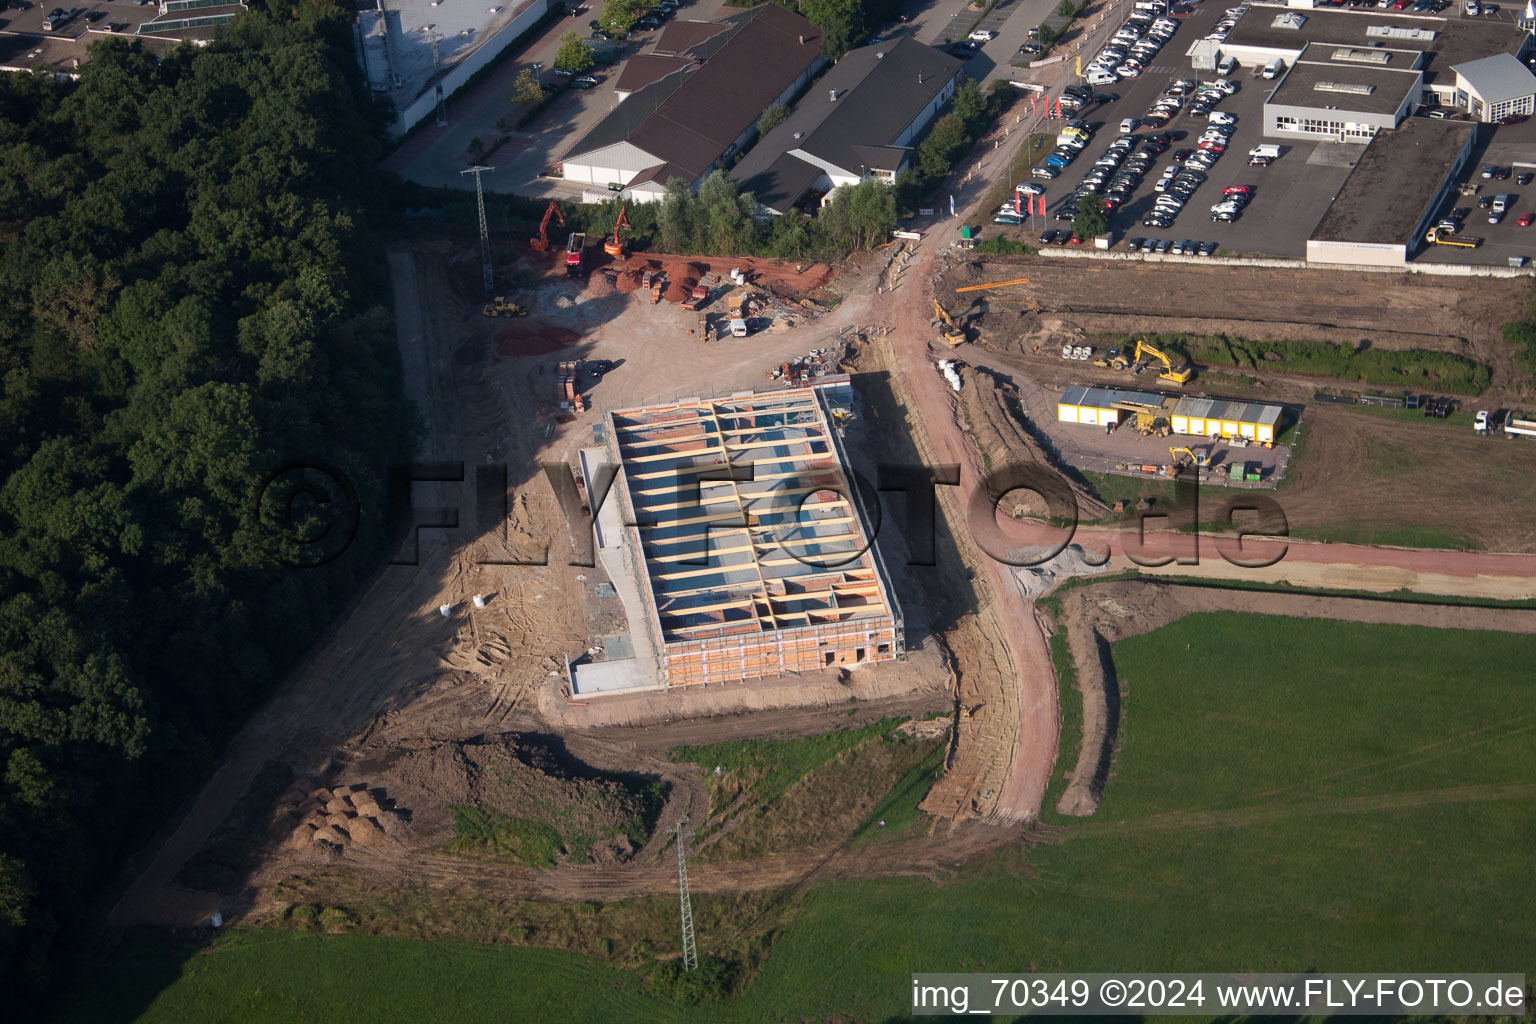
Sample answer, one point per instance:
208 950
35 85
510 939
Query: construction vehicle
1176 376
541 244
1201 459
1437 237
1519 424
501 307
576 253
616 247
948 329
699 299
568 386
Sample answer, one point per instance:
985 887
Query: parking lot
103 16
1512 150
1289 196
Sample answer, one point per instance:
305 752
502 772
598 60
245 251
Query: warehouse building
690 109
1386 205
755 558
1344 93
1104 407
1217 417
1433 46
859 123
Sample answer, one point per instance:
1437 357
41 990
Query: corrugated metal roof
1105 398
1232 412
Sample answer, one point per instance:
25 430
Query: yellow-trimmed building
1217 417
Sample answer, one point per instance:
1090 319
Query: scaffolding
756 551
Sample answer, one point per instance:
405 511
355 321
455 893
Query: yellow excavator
1177 376
1201 459
948 329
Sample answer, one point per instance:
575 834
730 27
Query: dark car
1082 92
1047 237
1031 49
1135 244
584 82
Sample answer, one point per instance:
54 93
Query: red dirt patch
531 338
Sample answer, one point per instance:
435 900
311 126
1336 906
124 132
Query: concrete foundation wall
756 655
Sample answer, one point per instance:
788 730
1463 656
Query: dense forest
192 302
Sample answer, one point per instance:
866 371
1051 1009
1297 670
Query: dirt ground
394 673
1067 300
1096 616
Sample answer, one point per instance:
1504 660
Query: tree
971 107
771 118
1090 221
943 145
619 16
573 55
840 23
525 91
675 217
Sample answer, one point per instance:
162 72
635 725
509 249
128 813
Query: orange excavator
616 247
541 244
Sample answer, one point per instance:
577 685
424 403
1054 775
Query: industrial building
1324 44
693 104
1386 205
753 556
1105 406
1198 417
860 122
1216 417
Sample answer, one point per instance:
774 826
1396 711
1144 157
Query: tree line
193 299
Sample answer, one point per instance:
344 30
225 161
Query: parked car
1007 218
584 82
1526 218
983 35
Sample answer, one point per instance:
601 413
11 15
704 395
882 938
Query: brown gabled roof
644 69
679 38
689 119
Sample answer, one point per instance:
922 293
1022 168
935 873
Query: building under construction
755 553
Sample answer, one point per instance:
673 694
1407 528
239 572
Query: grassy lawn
1287 795
1398 536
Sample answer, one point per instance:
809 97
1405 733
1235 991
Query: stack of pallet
568 389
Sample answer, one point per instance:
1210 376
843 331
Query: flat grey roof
1498 78
1105 398
1231 412
1389 88
1401 170
1450 41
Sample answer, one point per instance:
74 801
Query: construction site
685 560
749 550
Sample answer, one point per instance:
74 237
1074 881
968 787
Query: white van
1266 151
1226 65
1274 68
738 328
1095 76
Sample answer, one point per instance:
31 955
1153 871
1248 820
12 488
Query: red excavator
541 244
616 247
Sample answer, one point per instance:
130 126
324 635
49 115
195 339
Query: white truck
1274 69
1267 151
1520 425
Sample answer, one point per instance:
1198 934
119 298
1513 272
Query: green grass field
1287 795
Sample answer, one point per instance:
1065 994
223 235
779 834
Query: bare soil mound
521 777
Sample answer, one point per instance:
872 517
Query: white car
1028 189
983 35
1221 117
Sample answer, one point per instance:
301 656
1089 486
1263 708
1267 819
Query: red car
1525 219
1237 190
1214 147
1076 240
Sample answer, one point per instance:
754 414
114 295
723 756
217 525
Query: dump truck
699 299
1437 237
576 253
1520 425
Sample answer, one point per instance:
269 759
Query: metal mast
485 234
690 950
437 74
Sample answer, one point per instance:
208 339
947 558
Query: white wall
619 162
425 105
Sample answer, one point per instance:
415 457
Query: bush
710 983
